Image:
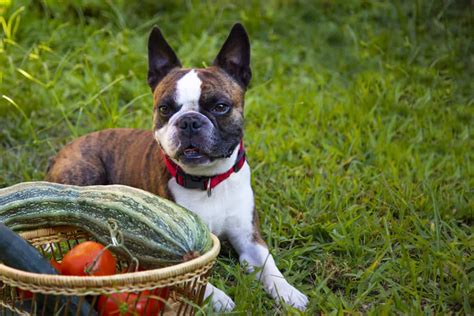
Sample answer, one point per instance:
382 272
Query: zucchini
156 231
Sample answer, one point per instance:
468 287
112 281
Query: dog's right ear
161 58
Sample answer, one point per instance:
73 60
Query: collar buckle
190 181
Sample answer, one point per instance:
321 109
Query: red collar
203 182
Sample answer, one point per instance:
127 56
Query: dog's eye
164 109
220 108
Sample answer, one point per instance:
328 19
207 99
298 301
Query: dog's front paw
280 289
219 300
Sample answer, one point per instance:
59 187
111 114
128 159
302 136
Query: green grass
359 131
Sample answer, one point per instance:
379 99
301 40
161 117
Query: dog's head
198 112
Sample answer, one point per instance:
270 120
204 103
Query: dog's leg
219 300
78 163
77 172
253 252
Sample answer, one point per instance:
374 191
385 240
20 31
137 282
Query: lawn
359 126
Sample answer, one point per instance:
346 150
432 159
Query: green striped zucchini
156 231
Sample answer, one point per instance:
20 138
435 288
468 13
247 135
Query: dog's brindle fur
96 159
133 157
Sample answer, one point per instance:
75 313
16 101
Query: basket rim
12 275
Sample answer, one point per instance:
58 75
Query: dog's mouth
193 155
192 152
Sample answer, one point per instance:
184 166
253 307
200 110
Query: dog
194 154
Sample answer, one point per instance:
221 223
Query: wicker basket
26 293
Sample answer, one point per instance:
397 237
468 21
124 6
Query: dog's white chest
229 206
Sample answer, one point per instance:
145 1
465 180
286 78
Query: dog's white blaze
188 92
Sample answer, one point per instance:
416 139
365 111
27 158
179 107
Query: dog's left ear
161 58
234 56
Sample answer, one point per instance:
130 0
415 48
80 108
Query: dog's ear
234 56
161 58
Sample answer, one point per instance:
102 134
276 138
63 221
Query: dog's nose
190 123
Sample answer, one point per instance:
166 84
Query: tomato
25 294
79 260
55 264
132 304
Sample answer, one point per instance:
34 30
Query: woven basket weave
186 281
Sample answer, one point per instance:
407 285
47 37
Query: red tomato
26 295
130 304
79 260
55 264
